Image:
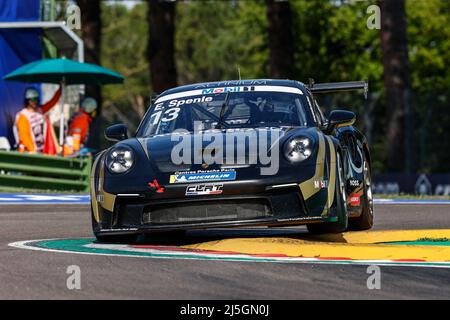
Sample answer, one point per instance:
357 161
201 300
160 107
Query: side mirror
117 132
340 118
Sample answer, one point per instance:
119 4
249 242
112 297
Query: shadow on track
180 238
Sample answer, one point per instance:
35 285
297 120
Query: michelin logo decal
201 177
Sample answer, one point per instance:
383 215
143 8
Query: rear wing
338 86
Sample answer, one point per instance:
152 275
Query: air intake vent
208 211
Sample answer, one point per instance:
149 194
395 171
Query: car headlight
298 149
120 159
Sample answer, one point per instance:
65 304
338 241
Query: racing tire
365 220
341 207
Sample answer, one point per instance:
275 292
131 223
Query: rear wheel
365 220
341 206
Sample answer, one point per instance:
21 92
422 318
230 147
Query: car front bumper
145 213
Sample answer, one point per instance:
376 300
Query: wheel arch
367 154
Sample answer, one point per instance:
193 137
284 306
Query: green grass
39 191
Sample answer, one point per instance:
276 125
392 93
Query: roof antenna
239 71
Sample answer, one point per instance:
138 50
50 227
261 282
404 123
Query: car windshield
224 110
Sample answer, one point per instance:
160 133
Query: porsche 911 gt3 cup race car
234 153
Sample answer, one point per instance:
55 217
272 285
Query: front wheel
341 206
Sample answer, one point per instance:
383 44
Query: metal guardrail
33 171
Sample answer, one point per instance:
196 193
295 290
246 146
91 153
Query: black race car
234 153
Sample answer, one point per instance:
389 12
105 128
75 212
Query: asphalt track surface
27 274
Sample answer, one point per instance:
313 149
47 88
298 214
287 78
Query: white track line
237 258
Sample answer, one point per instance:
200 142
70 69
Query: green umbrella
65 72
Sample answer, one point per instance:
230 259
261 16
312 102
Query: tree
91 26
281 39
332 43
397 84
124 45
429 44
214 39
161 44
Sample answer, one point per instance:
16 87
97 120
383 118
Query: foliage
429 49
333 43
214 38
124 43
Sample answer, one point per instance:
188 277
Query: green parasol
64 72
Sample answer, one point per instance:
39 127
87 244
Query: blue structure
17 47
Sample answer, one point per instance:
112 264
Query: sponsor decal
155 186
354 183
320 184
355 200
201 177
204 189
227 89
231 83
201 92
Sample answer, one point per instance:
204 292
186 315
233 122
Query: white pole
61 119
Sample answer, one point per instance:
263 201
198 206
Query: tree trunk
397 83
161 45
281 39
91 33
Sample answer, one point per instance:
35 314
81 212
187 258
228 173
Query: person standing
29 122
80 122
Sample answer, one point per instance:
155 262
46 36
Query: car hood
164 152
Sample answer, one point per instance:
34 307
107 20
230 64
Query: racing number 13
169 115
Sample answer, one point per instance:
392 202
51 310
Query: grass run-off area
40 191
